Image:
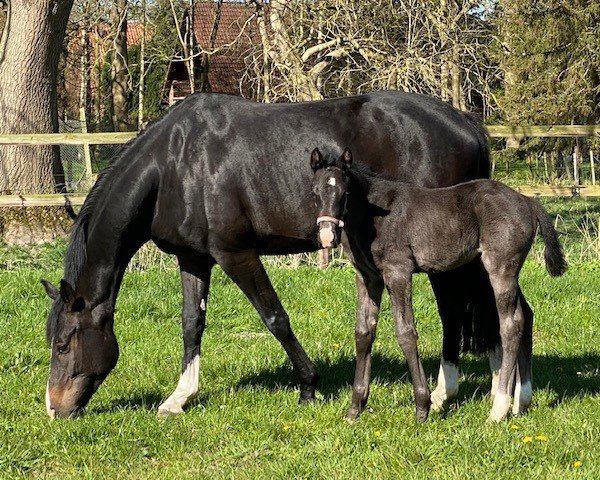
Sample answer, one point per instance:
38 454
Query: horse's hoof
352 414
307 395
167 412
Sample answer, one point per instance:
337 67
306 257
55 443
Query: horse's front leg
247 271
195 280
367 315
399 286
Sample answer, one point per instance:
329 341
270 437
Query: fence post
593 168
546 166
576 165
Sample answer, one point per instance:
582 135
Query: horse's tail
553 254
485 165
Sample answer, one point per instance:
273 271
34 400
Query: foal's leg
452 313
195 280
523 385
247 271
512 323
400 288
367 315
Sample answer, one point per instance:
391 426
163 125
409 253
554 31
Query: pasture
246 423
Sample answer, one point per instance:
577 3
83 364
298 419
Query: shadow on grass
567 377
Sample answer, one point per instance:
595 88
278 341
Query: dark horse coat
222 180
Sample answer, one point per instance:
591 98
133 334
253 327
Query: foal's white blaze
495 359
331 181
326 236
187 387
447 385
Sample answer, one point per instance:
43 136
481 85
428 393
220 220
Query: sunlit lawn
246 422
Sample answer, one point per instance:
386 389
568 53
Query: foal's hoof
500 408
352 414
169 411
438 401
422 414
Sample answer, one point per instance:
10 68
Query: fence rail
116 138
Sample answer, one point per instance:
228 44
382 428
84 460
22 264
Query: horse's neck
378 191
119 225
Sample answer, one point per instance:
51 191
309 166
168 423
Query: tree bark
35 31
119 66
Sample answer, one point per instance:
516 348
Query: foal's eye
63 349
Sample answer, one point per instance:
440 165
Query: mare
435 230
221 180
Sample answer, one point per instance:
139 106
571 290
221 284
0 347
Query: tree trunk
34 33
119 66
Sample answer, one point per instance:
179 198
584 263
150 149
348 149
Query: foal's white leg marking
331 181
187 387
500 407
447 385
523 395
495 359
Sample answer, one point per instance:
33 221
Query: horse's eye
63 349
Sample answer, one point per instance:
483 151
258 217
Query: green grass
246 422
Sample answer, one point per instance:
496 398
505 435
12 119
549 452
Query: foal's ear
316 160
51 290
346 158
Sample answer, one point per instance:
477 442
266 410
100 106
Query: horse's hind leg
195 280
523 385
247 271
451 311
367 315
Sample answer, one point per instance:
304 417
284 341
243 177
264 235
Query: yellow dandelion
577 464
486 452
514 427
527 439
377 433
286 427
336 345
541 438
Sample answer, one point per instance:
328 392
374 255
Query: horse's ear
316 160
51 290
346 158
67 293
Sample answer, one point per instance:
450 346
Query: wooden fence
111 138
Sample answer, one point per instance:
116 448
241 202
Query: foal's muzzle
329 230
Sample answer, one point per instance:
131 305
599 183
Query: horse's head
329 189
84 350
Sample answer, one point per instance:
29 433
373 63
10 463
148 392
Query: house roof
226 67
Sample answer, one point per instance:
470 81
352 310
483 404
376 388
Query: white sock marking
447 385
187 387
495 359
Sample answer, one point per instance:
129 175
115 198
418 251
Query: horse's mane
76 254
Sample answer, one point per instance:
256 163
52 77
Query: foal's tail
555 260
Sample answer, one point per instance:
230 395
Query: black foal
433 231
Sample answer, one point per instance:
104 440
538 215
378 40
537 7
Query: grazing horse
437 230
221 180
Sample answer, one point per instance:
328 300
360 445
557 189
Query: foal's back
448 227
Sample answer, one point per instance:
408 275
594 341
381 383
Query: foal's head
329 189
